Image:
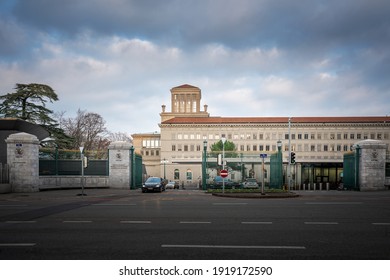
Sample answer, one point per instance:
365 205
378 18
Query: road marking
381 224
333 203
17 244
77 222
321 223
230 203
256 223
113 204
13 205
194 222
20 222
136 222
233 247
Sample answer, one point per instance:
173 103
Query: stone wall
23 160
22 156
372 161
72 182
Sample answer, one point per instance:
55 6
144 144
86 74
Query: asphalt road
189 224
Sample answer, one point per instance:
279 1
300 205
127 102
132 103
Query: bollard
314 186
304 186
320 186
327 186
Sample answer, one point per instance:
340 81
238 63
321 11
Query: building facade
318 142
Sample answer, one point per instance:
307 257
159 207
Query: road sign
224 173
263 155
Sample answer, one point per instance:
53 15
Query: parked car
218 183
154 184
250 183
172 185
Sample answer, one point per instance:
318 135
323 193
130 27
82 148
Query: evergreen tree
28 103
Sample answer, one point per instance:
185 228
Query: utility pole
289 156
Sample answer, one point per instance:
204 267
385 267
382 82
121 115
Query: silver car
250 183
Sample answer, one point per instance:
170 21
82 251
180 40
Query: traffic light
292 157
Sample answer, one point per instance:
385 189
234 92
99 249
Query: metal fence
4 173
241 166
68 162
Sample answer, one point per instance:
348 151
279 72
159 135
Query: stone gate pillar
119 165
23 159
372 162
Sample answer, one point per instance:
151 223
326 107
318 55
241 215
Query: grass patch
258 190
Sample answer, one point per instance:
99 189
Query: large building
318 142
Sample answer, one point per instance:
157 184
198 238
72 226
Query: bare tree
88 130
120 136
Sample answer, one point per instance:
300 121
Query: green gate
137 170
351 170
276 171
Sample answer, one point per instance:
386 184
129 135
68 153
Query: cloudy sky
120 58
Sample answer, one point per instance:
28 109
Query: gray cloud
120 58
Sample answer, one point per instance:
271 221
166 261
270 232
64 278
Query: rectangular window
261 137
299 136
325 148
254 148
261 147
306 136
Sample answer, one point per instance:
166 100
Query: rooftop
258 120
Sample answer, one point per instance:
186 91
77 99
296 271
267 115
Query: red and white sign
224 173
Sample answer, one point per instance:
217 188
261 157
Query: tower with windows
185 102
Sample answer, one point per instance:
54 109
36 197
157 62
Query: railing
4 173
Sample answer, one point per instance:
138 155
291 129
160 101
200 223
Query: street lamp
82 170
223 139
204 165
289 155
164 161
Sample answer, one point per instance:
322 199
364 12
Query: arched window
189 174
177 174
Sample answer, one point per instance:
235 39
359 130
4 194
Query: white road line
230 203
17 244
233 247
135 222
381 224
321 223
112 204
256 223
333 203
77 222
194 222
20 222
13 205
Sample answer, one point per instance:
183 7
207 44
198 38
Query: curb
257 195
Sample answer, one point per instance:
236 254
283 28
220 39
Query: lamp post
280 161
223 139
204 165
82 170
164 161
289 155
